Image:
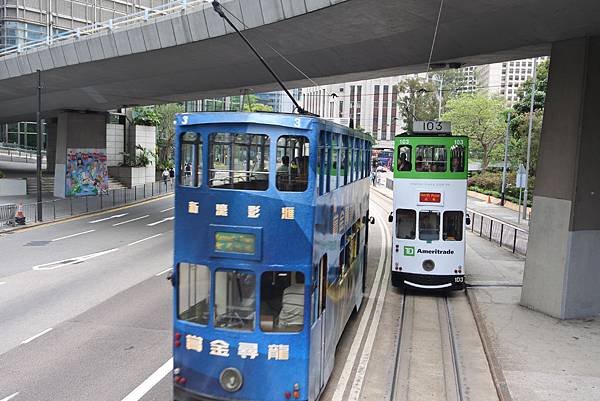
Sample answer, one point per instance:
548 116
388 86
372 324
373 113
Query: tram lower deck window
429 226
235 300
282 301
239 161
194 293
453 226
406 222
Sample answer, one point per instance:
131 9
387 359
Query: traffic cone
20 216
489 200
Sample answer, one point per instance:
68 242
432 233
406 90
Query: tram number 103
431 126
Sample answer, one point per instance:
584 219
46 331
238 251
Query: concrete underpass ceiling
355 39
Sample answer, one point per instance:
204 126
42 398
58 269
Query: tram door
318 334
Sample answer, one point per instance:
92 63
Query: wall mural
87 172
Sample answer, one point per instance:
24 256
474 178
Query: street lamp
441 82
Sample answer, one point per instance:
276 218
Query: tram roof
289 120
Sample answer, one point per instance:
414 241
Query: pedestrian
165 176
172 173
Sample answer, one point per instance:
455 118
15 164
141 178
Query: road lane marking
150 382
129 221
167 209
2 283
10 397
360 333
160 221
72 261
163 272
73 235
116 216
144 239
30 339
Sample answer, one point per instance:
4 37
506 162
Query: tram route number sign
432 127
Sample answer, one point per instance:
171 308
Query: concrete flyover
192 54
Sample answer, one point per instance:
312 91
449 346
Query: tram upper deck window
430 158
194 293
453 226
190 168
429 226
239 161
235 300
457 159
406 223
292 163
282 301
403 158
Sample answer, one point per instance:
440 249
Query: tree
165 133
417 100
523 104
252 103
481 118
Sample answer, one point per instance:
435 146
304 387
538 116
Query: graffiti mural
87 172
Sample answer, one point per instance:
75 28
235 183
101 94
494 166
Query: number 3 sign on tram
431 127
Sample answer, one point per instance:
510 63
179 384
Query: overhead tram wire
219 10
437 24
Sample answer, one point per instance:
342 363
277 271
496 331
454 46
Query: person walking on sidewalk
165 177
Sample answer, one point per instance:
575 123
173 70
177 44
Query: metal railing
58 209
15 154
504 234
110 25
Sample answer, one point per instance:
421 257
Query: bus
429 214
271 232
383 158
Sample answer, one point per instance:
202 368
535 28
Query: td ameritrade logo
410 251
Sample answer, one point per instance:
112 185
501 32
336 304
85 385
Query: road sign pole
519 214
505 160
529 138
39 147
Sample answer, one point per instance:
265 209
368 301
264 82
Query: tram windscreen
235 299
194 293
429 226
235 242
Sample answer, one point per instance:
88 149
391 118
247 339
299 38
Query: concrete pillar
562 271
76 130
51 126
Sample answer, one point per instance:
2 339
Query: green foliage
145 116
519 128
523 104
481 118
1 174
490 183
417 100
141 158
165 134
252 104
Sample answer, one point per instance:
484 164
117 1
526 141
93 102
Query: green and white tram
429 216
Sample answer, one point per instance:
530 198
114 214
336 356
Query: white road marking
167 209
129 221
361 369
68 262
2 283
144 239
360 333
150 382
73 235
10 397
163 272
30 339
160 221
116 216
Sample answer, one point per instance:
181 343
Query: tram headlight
231 380
428 265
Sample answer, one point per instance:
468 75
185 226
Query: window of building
292 163
453 226
239 161
403 158
406 223
194 293
235 299
190 166
429 226
282 301
431 158
457 159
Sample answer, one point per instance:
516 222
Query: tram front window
235 300
453 226
430 158
404 153
429 226
406 222
292 163
282 301
194 293
239 161
190 169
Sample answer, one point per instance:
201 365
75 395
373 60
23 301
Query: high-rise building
23 21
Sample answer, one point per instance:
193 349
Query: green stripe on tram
431 147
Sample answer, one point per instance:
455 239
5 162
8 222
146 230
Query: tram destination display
235 242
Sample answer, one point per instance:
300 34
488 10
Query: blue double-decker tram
270 249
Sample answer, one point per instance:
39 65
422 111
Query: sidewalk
499 212
538 358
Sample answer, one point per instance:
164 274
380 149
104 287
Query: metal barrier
504 234
58 209
20 155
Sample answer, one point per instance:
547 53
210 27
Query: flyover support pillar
77 131
562 271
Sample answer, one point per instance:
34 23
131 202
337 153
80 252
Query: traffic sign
431 127
521 177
